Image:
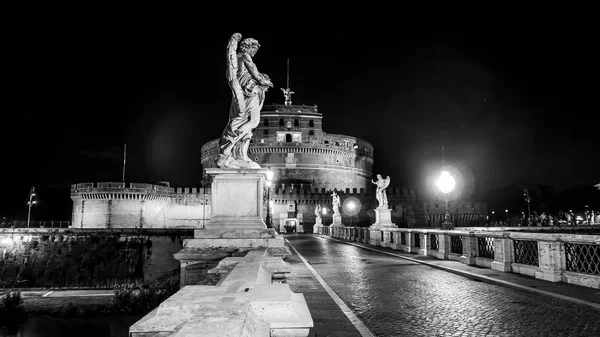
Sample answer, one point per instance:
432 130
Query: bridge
357 289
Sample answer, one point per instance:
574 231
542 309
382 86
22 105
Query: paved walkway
569 292
329 318
399 294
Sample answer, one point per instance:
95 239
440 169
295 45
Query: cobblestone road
397 297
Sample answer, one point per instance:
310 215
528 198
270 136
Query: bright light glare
6 241
351 206
446 182
324 210
269 175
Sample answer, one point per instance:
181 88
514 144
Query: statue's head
379 176
249 45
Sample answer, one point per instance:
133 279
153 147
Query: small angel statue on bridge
380 194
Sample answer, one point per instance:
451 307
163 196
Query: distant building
308 164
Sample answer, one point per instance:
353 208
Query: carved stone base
337 221
383 219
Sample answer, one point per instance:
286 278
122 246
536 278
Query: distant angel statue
318 211
288 95
380 194
248 87
335 203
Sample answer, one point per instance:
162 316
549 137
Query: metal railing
526 252
583 258
456 246
486 247
435 243
36 224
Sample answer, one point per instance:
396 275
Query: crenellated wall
116 205
135 205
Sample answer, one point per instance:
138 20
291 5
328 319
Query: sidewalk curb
357 322
472 276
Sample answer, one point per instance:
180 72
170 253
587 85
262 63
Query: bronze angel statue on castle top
248 87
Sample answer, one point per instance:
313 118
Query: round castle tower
291 142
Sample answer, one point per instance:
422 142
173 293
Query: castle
307 165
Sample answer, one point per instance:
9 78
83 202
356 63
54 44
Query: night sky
511 103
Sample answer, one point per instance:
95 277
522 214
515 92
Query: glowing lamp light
351 206
324 210
268 183
446 182
269 175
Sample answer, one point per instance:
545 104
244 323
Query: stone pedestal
383 219
236 221
237 198
337 220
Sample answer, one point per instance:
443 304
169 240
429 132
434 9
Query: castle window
281 122
311 132
288 138
296 122
326 142
311 123
265 131
337 144
266 122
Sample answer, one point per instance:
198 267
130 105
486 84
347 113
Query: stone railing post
551 256
503 253
386 241
374 237
366 235
469 249
395 236
443 245
410 242
425 243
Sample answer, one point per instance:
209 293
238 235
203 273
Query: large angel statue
380 194
248 87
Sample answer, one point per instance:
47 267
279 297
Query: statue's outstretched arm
254 71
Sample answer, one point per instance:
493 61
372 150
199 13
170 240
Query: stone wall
88 258
135 205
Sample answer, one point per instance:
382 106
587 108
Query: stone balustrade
554 257
246 302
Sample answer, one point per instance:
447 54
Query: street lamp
269 178
528 199
30 203
446 184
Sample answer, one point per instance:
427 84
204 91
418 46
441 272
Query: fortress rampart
138 205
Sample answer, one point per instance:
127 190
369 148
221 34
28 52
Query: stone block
245 303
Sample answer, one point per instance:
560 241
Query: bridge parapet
246 302
554 257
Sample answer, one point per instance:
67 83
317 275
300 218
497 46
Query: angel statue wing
386 182
232 68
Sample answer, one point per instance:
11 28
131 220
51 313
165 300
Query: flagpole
124 161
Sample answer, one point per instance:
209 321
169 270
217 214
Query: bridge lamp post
30 203
446 184
269 183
